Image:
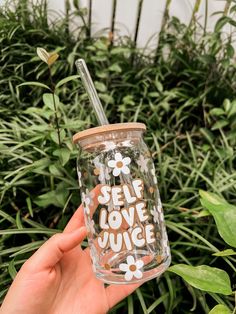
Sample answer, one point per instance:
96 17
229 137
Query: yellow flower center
96 171
107 266
119 164
132 267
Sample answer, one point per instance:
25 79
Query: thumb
51 252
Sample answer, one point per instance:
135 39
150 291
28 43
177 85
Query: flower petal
125 170
130 260
111 163
126 161
123 267
128 275
138 274
116 172
118 157
139 264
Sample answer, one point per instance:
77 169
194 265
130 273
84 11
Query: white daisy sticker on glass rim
119 164
142 162
132 268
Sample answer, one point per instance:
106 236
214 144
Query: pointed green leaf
224 215
63 154
204 277
220 309
50 100
67 79
12 270
227 252
34 84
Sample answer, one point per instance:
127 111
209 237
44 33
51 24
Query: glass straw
91 91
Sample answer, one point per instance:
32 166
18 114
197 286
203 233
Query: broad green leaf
219 124
63 154
227 252
204 277
226 105
224 215
51 101
115 68
54 136
108 99
217 112
55 170
34 84
220 309
100 86
55 197
67 79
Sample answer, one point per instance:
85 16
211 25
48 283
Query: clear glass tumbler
122 207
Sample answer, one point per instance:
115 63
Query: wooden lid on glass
119 127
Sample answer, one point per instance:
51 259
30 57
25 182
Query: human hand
58 278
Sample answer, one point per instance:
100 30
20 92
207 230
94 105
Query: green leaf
55 170
221 22
224 215
49 99
226 105
220 309
28 231
55 197
217 112
12 270
227 252
66 80
63 154
54 136
34 84
29 205
115 68
219 124
204 277
100 87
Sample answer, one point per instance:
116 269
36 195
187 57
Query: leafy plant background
186 94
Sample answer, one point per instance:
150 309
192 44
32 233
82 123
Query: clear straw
91 91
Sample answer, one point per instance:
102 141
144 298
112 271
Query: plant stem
54 105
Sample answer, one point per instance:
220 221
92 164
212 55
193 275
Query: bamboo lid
130 126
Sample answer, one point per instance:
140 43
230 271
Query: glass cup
122 207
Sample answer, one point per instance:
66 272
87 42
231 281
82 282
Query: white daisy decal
87 199
101 171
132 268
142 162
108 145
126 143
119 164
155 214
79 178
154 175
